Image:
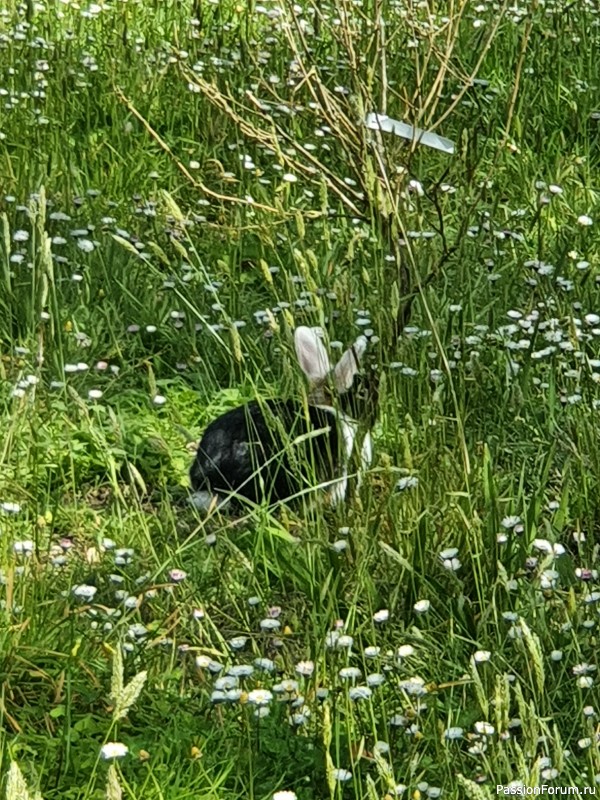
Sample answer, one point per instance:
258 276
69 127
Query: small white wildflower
549 579
305 668
585 221
10 508
114 750
226 683
381 747
414 687
481 656
159 400
202 662
381 616
349 673
270 624
340 545
452 564
409 482
484 728
416 187
448 553
300 717
342 775
24 548
585 682
260 697
84 592
285 795
359 693
266 664
124 556
286 687
422 606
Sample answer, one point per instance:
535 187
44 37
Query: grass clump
182 185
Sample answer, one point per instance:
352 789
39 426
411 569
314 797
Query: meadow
182 183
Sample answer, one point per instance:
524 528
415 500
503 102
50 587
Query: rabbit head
344 384
344 388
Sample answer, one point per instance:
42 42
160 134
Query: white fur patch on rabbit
348 428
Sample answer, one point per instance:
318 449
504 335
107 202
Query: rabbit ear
348 365
311 354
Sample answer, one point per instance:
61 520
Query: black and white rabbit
276 449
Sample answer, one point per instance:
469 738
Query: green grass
105 118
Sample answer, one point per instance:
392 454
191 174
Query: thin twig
182 168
